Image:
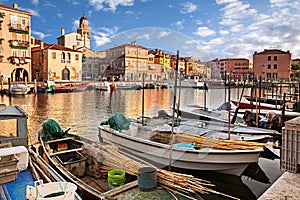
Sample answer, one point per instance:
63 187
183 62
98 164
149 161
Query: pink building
272 65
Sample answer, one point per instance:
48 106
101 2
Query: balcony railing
19 43
18 27
19 60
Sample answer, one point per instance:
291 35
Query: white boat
20 89
104 86
201 113
137 141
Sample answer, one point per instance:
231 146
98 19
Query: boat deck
17 189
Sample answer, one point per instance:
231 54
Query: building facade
272 65
55 62
128 62
78 39
94 64
15 37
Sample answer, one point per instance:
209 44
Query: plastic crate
8 176
290 152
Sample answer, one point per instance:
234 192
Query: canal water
83 112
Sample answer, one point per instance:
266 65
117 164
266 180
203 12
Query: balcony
19 60
18 28
19 44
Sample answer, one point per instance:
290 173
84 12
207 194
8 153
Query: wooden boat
19 89
263 106
85 163
138 142
75 158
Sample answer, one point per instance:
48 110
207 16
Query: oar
238 105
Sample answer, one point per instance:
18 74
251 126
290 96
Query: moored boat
87 164
19 89
188 156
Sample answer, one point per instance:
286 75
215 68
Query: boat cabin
13 116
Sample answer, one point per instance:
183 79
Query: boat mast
174 107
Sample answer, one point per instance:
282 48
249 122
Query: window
15 53
24 53
76 57
53 55
13 36
269 57
69 58
62 57
23 23
275 66
275 75
275 57
14 21
24 37
269 66
269 75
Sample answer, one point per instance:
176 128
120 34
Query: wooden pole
174 107
178 105
143 99
259 94
229 106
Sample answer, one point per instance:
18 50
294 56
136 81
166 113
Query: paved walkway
287 187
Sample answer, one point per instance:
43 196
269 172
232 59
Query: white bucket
51 191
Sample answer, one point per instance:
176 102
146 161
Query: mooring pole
174 107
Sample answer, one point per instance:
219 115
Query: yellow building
55 62
15 36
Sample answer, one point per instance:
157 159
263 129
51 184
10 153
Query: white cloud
179 24
223 32
39 35
103 35
35 2
110 5
188 7
101 40
163 34
33 12
145 36
204 32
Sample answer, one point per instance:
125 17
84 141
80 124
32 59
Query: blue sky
206 29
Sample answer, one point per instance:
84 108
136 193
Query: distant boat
61 88
129 86
19 89
105 86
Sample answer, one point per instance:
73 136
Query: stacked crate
290 152
8 168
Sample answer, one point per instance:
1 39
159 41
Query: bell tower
84 30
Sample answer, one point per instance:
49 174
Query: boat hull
228 162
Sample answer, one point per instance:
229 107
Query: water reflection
83 112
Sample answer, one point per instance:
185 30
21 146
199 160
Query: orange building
15 37
272 65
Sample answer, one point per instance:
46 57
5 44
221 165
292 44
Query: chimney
62 31
15 5
133 43
74 47
42 45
